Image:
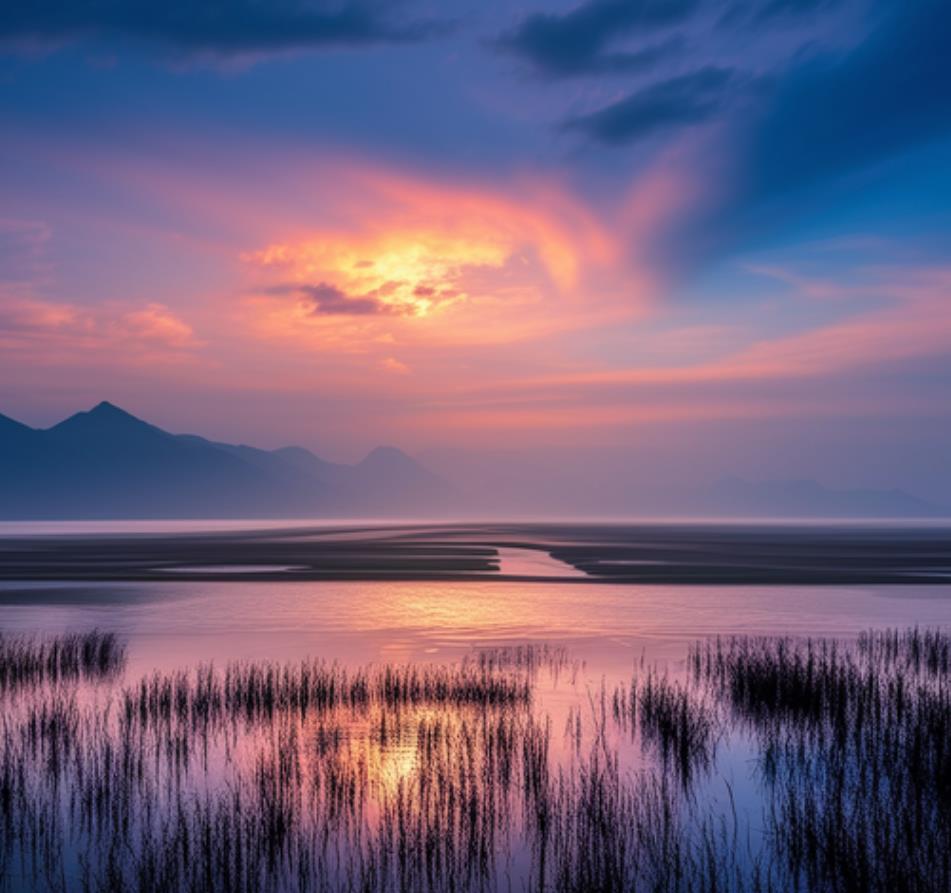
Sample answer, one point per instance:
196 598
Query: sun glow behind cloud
420 259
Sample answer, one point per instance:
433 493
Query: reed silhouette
265 776
28 661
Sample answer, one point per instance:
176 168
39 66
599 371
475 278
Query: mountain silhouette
107 463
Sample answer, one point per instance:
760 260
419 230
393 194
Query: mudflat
733 554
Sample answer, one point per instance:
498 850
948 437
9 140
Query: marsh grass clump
855 744
260 691
679 724
528 657
917 650
27 660
674 719
765 678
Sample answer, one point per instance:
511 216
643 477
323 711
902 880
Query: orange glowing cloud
414 261
323 254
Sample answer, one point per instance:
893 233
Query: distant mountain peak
104 408
386 454
105 417
390 460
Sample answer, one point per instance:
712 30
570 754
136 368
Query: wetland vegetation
315 776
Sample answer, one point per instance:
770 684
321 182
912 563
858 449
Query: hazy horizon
106 463
758 455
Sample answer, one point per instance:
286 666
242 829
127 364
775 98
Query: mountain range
106 463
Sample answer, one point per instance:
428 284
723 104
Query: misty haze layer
105 463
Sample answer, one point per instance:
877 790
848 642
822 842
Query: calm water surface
600 636
609 627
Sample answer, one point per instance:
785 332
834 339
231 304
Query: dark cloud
328 300
688 99
774 8
744 12
784 8
224 27
577 42
834 128
830 117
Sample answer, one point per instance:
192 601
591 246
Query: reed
26 660
314 777
855 745
681 726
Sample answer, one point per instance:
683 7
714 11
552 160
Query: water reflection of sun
382 742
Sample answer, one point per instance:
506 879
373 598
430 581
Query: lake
473 733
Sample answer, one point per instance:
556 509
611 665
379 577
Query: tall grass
312 776
261 691
855 745
25 660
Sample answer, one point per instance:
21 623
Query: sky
672 239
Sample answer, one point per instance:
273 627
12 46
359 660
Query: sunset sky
702 236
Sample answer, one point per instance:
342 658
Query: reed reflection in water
314 776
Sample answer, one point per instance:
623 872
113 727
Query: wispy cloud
228 28
580 41
57 333
666 105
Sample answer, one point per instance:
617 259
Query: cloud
911 323
325 299
900 319
891 94
743 12
773 9
830 118
331 301
60 331
225 27
577 42
153 324
677 102
434 260
391 364
856 359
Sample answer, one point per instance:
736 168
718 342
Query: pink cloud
456 262
58 333
903 319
